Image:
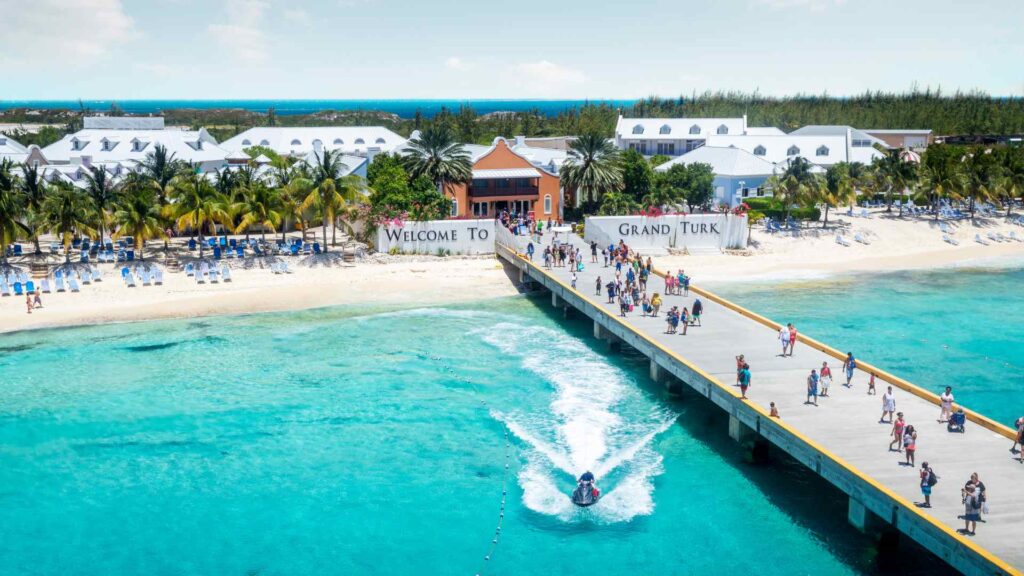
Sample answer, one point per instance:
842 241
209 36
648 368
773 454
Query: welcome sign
429 237
700 232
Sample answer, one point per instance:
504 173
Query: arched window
759 150
317 143
638 129
381 141
694 129
360 141
666 129
455 207
246 142
822 151
723 129
547 203
264 143
338 141
793 151
296 142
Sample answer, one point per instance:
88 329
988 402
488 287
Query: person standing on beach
744 380
928 480
888 405
37 300
784 340
792 337
849 365
812 387
910 443
897 433
28 302
946 404
826 378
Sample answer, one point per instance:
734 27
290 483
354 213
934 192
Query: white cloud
43 31
244 35
548 73
456 63
297 16
813 5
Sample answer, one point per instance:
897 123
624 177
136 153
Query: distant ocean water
403 108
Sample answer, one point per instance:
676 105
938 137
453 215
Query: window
759 150
317 143
479 184
694 129
821 151
137 146
523 183
360 141
338 141
76 144
480 208
503 183
862 143
264 143
643 148
107 145
667 148
246 142
455 207
665 129
638 129
381 141
547 203
632 145
296 142
793 151
745 192
723 129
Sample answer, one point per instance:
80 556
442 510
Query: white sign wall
455 236
696 233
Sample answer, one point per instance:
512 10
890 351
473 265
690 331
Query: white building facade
677 136
299 142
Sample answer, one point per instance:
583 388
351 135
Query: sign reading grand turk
437 236
700 232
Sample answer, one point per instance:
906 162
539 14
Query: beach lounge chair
6 288
1001 238
192 244
980 240
86 277
96 276
158 277
949 240
130 255
73 283
285 269
130 242
223 241
213 274
294 249
84 258
190 269
316 247
239 252
842 241
307 249
857 237
204 269
54 247
30 287
130 280
44 285
216 252
58 284
17 249
225 273
124 273
144 276
229 253
17 289
1013 236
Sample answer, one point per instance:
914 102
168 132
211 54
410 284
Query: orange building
504 180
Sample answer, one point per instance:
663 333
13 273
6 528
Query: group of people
33 300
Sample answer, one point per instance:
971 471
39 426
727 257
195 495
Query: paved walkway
847 421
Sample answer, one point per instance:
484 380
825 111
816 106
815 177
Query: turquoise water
336 442
953 327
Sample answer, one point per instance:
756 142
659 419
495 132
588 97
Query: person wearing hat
957 421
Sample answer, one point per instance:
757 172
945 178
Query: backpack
932 478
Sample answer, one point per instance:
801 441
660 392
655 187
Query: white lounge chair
842 241
144 276
96 276
158 277
1013 236
860 239
190 269
993 237
73 283
130 280
225 273
44 285
980 240
950 240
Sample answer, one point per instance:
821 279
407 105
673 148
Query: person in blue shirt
850 365
812 387
529 251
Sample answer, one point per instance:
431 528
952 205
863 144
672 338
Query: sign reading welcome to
701 232
432 236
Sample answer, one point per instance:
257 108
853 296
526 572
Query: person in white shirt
888 405
784 339
946 404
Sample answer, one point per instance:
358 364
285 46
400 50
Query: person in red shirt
792 338
826 378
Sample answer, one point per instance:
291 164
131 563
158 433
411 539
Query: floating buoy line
504 478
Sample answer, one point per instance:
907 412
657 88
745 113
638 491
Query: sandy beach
895 244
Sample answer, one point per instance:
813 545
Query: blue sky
125 49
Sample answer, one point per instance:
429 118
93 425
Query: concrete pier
841 439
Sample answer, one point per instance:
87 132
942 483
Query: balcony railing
493 191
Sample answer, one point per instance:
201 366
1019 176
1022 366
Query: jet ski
586 492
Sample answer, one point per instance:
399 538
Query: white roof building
131 146
301 141
677 136
726 161
12 150
823 150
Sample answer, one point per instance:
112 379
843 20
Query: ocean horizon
405 108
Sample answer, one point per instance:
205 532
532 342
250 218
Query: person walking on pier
1019 425
972 508
784 340
684 319
850 364
593 251
572 281
740 361
928 480
910 444
946 405
792 337
812 387
698 309
597 287
897 433
529 251
826 378
655 304
888 405
744 380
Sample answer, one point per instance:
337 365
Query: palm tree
895 175
353 191
835 190
938 181
197 203
260 206
984 172
161 169
294 187
33 188
137 213
12 208
615 203
593 167
65 211
1012 184
436 155
324 197
101 189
